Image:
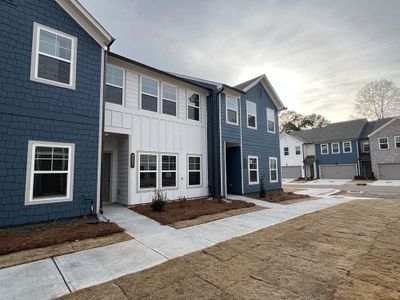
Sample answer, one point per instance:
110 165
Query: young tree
378 100
292 121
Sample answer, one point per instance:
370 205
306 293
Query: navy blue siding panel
233 170
230 133
37 111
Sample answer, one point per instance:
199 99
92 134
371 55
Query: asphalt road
370 191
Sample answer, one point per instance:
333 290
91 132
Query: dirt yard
281 197
177 211
350 251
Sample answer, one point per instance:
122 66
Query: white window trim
167 171
363 145
270 169
327 149
395 145
30 167
351 147
141 92
288 151
248 172
123 85
295 150
247 115
148 171
273 112
200 171
189 104
379 143
162 99
338 148
35 57
236 111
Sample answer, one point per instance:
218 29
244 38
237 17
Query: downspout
218 191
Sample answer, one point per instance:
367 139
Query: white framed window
194 170
251 108
53 58
149 94
286 151
397 142
232 110
324 149
271 120
147 171
193 103
383 143
169 98
115 78
253 170
298 150
50 172
347 148
273 169
168 170
365 146
335 148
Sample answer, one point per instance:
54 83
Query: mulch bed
278 196
175 211
18 238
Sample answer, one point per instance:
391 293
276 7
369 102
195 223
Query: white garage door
389 171
338 172
291 172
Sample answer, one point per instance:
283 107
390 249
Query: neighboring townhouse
335 149
292 159
155 134
384 144
52 63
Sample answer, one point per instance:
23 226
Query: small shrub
158 201
182 201
262 187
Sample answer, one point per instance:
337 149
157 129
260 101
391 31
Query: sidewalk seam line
61 274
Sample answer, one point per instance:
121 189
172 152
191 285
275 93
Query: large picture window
169 99
168 171
270 120
194 170
251 114
49 172
148 171
53 57
193 106
232 110
273 169
253 169
114 85
149 94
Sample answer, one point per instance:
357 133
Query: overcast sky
317 54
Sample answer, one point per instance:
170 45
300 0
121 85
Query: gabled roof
382 124
87 21
373 126
340 131
247 85
292 137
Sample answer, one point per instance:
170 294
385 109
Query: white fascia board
383 126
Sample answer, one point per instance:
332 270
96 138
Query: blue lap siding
37 111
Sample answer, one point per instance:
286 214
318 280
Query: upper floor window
270 120
397 141
324 149
253 169
149 94
286 151
347 147
169 96
298 150
383 143
335 148
53 57
232 110
114 85
193 106
273 169
365 146
251 114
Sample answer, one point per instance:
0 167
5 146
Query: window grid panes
366 146
231 110
114 85
383 143
270 120
168 170
298 150
273 169
324 149
148 171
286 151
397 141
253 169
251 114
193 106
169 99
335 148
194 170
346 147
149 94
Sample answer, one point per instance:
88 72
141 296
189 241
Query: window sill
54 83
48 201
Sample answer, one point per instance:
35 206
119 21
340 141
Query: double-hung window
298 150
194 170
347 147
335 148
286 151
273 169
397 142
253 169
270 120
147 171
53 57
383 143
168 171
149 94
365 145
251 108
114 85
49 172
324 149
193 106
232 110
169 96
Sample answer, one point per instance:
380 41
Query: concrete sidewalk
153 244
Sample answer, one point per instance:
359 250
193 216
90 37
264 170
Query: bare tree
378 100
